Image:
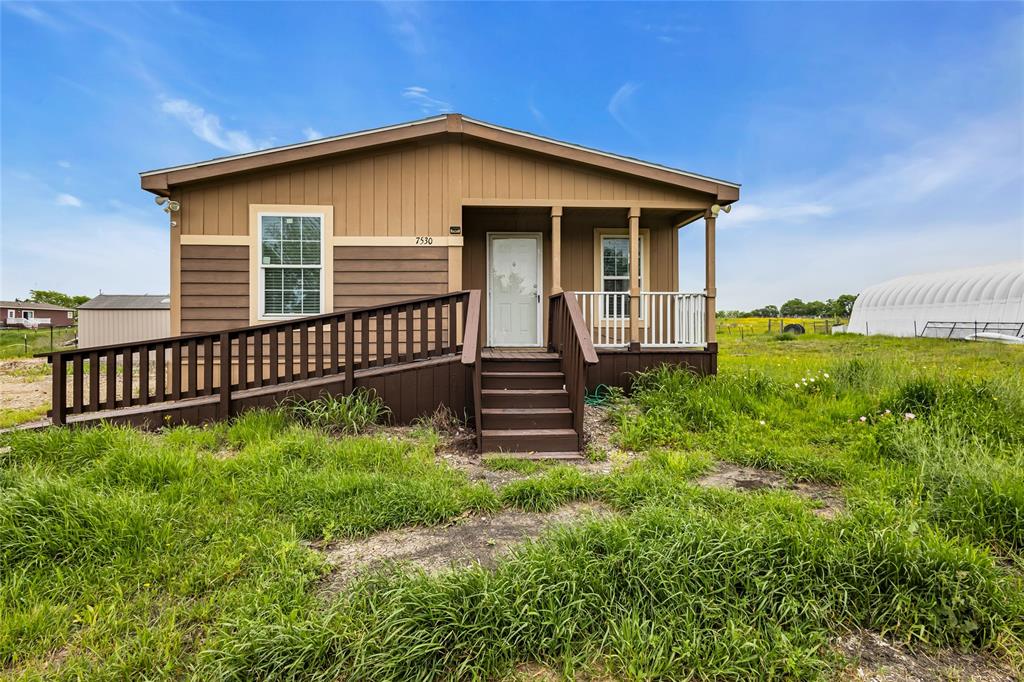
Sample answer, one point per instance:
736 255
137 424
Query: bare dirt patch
878 660
734 477
24 384
599 429
479 539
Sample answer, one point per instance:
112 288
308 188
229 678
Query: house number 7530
424 241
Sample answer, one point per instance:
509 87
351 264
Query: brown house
343 262
27 314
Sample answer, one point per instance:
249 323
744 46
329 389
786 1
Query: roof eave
160 181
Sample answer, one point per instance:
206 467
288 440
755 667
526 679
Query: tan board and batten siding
108 327
385 197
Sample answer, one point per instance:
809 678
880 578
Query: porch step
527 418
519 380
524 397
530 440
538 364
560 456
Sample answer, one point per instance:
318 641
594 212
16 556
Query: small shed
115 318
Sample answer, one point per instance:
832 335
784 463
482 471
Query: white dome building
948 304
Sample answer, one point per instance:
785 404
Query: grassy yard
195 553
24 343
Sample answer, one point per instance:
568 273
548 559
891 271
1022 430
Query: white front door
513 289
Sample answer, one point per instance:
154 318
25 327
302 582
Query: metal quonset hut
949 304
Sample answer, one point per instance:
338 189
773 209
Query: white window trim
10 314
27 314
324 240
618 233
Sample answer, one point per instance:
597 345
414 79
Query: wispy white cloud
746 213
407 22
311 133
207 126
537 114
32 12
63 163
620 101
971 161
68 200
421 97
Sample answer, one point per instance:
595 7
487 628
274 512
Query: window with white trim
615 273
27 314
10 314
291 264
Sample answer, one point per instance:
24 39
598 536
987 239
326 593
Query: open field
824 499
24 343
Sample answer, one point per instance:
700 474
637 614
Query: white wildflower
910 415
863 419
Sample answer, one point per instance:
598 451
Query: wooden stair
525 410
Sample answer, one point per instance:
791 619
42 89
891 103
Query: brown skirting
617 367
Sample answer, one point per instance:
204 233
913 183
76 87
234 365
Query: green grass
14 416
24 343
183 554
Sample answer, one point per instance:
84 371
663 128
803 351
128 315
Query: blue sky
872 140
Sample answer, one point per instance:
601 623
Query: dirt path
479 539
879 660
734 477
24 383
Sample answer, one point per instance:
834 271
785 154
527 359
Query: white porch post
634 277
710 326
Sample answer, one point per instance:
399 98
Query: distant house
29 314
111 319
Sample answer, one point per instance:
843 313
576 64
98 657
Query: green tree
56 298
794 307
843 306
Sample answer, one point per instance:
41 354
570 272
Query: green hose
601 396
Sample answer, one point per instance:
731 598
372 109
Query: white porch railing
27 322
668 319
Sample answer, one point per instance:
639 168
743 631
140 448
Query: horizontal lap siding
214 287
376 275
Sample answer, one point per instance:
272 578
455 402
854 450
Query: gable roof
32 305
160 180
128 302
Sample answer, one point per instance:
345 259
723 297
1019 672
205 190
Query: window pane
273 279
615 259
311 253
311 279
271 253
311 302
292 302
311 228
271 227
616 285
272 302
292 229
292 279
292 253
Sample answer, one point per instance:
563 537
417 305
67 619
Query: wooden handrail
471 337
471 356
266 326
580 329
570 338
336 343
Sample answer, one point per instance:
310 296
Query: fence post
224 408
350 346
60 388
